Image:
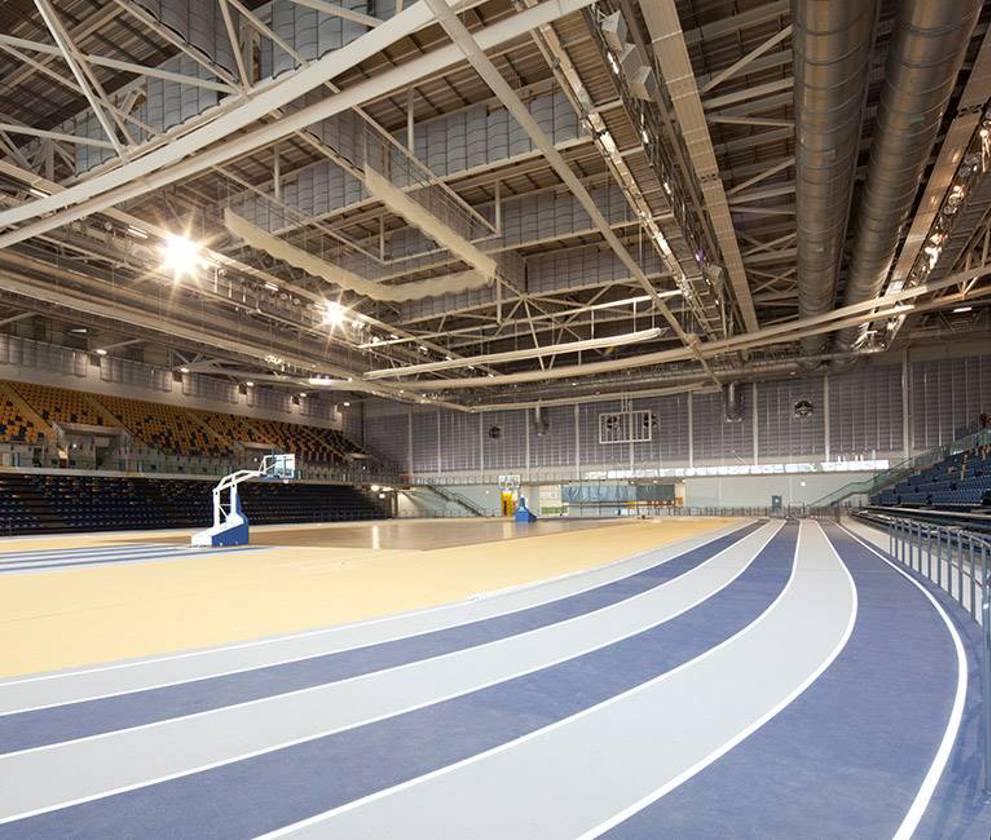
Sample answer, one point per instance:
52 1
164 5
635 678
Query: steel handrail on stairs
893 474
456 498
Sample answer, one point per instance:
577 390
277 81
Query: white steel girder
150 172
668 40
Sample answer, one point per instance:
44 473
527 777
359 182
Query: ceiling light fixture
181 256
334 315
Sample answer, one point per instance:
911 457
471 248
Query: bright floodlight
334 314
181 256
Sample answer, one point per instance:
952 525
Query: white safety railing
957 561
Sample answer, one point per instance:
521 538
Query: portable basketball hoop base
230 525
523 513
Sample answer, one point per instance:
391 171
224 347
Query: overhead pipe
928 48
832 46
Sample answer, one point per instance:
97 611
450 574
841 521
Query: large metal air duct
927 50
832 46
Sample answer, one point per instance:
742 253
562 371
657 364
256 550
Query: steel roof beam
788 332
671 51
464 41
134 179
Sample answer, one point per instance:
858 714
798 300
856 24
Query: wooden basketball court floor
688 678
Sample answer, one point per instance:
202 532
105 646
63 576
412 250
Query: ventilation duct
732 409
541 425
614 32
832 47
928 48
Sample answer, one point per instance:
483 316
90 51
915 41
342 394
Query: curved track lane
850 754
283 786
48 776
760 640
959 808
31 729
100 681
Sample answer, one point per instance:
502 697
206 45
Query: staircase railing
902 469
456 498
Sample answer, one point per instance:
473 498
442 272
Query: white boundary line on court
395 713
53 564
928 787
341 628
746 732
616 698
56 553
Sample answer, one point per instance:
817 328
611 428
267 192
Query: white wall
756 490
723 491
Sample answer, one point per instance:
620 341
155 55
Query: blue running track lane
274 789
846 758
960 809
26 730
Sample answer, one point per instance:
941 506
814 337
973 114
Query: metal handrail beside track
944 554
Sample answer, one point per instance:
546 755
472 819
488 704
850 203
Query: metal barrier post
939 557
960 568
973 579
918 547
929 552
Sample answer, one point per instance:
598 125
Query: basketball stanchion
230 524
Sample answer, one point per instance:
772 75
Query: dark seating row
39 503
961 480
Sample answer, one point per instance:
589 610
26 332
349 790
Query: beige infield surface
80 616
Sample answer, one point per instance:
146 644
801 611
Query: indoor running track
772 680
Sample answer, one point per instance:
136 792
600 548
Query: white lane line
745 733
54 564
54 552
392 713
537 733
78 554
356 626
928 787
95 560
